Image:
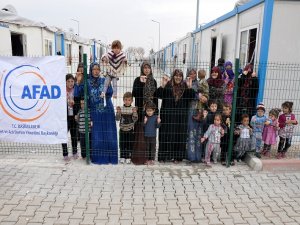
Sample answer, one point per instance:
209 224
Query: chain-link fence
184 125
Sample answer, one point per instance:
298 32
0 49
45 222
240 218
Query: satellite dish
10 8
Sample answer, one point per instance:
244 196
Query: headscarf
150 87
217 82
91 68
94 80
247 67
178 89
229 72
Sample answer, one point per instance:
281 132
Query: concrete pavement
44 190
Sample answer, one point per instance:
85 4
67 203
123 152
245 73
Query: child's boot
263 152
268 154
279 155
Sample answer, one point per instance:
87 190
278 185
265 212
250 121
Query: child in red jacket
287 122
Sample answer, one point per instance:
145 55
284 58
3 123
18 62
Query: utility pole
197 15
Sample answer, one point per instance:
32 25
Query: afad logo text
25 95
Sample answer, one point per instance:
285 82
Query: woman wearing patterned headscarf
143 91
176 96
104 131
216 87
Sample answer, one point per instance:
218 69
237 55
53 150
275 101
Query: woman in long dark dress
104 130
248 85
143 91
176 96
195 127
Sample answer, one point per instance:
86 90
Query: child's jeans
284 144
150 147
72 128
258 141
126 141
212 148
83 144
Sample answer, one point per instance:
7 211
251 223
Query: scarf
178 89
70 95
218 82
229 72
150 86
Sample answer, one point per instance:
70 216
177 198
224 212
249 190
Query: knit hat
261 106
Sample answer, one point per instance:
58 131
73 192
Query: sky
126 20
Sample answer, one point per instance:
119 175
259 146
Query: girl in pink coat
270 131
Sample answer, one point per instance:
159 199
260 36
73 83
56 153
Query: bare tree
141 52
137 52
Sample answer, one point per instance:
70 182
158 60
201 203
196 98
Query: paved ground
44 190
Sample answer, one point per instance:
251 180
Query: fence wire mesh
182 115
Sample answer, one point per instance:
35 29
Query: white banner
33 106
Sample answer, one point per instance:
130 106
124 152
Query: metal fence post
87 137
233 112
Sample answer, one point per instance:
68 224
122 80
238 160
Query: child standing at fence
244 141
270 131
213 134
257 123
116 62
226 123
80 119
72 109
127 115
203 91
212 110
287 122
151 123
203 87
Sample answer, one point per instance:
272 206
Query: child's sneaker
128 161
208 164
122 160
215 161
66 158
75 156
151 162
267 154
257 154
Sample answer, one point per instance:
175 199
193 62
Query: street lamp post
158 33
77 26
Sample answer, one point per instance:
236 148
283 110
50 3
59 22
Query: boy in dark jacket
151 123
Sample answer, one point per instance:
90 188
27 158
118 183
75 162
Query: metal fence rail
281 84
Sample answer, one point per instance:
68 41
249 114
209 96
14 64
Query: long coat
173 129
